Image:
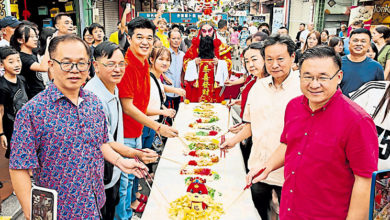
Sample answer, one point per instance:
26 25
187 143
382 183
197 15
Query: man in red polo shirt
329 147
134 93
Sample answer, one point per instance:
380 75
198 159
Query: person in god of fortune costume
207 63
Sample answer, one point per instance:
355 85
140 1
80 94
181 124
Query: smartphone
43 203
380 195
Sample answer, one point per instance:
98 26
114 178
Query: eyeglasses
113 65
68 66
320 79
209 30
192 30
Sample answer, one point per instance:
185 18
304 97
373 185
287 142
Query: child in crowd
12 94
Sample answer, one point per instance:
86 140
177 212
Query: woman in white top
160 61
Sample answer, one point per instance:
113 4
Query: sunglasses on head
205 31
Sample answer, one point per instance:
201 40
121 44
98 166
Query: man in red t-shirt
134 93
329 147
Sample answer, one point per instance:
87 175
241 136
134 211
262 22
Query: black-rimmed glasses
68 66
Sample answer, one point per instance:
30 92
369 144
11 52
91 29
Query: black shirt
34 79
13 96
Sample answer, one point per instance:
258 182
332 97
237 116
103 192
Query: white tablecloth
171 184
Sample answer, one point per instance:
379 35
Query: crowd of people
78 112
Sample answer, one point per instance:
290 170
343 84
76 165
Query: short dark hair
279 39
105 49
175 26
58 17
304 25
21 32
358 23
326 31
260 34
283 27
321 52
360 31
266 31
66 38
222 23
140 22
170 33
6 51
94 26
264 24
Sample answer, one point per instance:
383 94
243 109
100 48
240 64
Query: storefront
42 12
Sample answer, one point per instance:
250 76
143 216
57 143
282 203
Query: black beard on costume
206 48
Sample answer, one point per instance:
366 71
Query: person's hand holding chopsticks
148 156
131 166
257 174
227 144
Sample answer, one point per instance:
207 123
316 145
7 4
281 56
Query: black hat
9 21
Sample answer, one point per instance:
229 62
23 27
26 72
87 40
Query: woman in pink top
234 41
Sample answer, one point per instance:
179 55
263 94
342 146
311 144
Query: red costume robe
205 89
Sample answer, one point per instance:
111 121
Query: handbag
157 143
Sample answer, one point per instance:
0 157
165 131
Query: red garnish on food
203 171
199 120
192 163
192 153
213 133
191 125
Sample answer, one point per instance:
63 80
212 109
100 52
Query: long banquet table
169 185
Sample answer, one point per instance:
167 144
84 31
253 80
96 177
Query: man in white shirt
175 70
264 114
63 24
305 32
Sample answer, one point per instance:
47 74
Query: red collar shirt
325 149
135 85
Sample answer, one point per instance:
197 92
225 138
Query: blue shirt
174 71
61 143
346 46
358 73
113 111
111 106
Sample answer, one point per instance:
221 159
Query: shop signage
179 17
381 13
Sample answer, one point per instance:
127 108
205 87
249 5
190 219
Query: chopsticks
222 150
246 187
143 176
165 158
